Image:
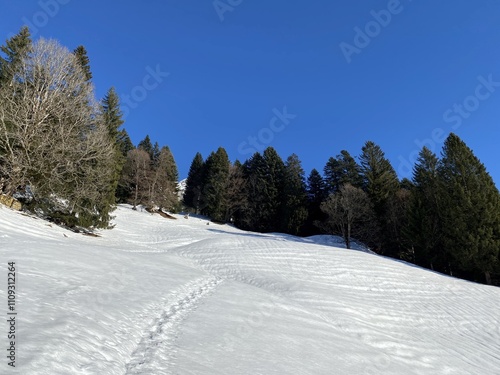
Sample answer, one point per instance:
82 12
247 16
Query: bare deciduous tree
51 131
350 213
137 172
163 182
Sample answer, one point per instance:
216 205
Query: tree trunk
487 276
348 237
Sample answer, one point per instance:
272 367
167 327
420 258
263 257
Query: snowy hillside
157 296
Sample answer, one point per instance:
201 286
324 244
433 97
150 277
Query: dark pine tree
214 195
316 194
381 184
147 146
112 117
194 183
332 177
470 209
14 50
294 209
124 142
341 170
155 154
424 220
83 60
273 198
254 173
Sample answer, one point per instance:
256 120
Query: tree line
446 218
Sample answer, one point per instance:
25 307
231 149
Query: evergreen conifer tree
83 60
424 220
272 200
380 183
214 195
147 146
14 51
254 172
470 208
294 209
194 182
316 194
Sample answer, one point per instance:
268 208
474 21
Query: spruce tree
341 170
112 117
316 194
254 172
424 220
83 61
194 181
124 142
380 183
15 50
294 209
332 177
155 154
273 197
214 195
147 146
125 145
470 209
236 190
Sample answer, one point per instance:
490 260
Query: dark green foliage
254 171
294 209
342 170
214 195
147 146
237 200
424 220
381 184
14 50
470 209
379 177
273 178
264 176
113 116
332 177
124 189
316 194
194 183
124 142
155 154
83 60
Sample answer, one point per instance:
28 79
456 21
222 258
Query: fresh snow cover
181 188
157 296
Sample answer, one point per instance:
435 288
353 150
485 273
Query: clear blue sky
415 72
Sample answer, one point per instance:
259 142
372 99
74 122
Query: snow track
155 352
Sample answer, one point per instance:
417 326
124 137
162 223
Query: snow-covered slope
156 296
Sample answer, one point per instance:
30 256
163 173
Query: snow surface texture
156 296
